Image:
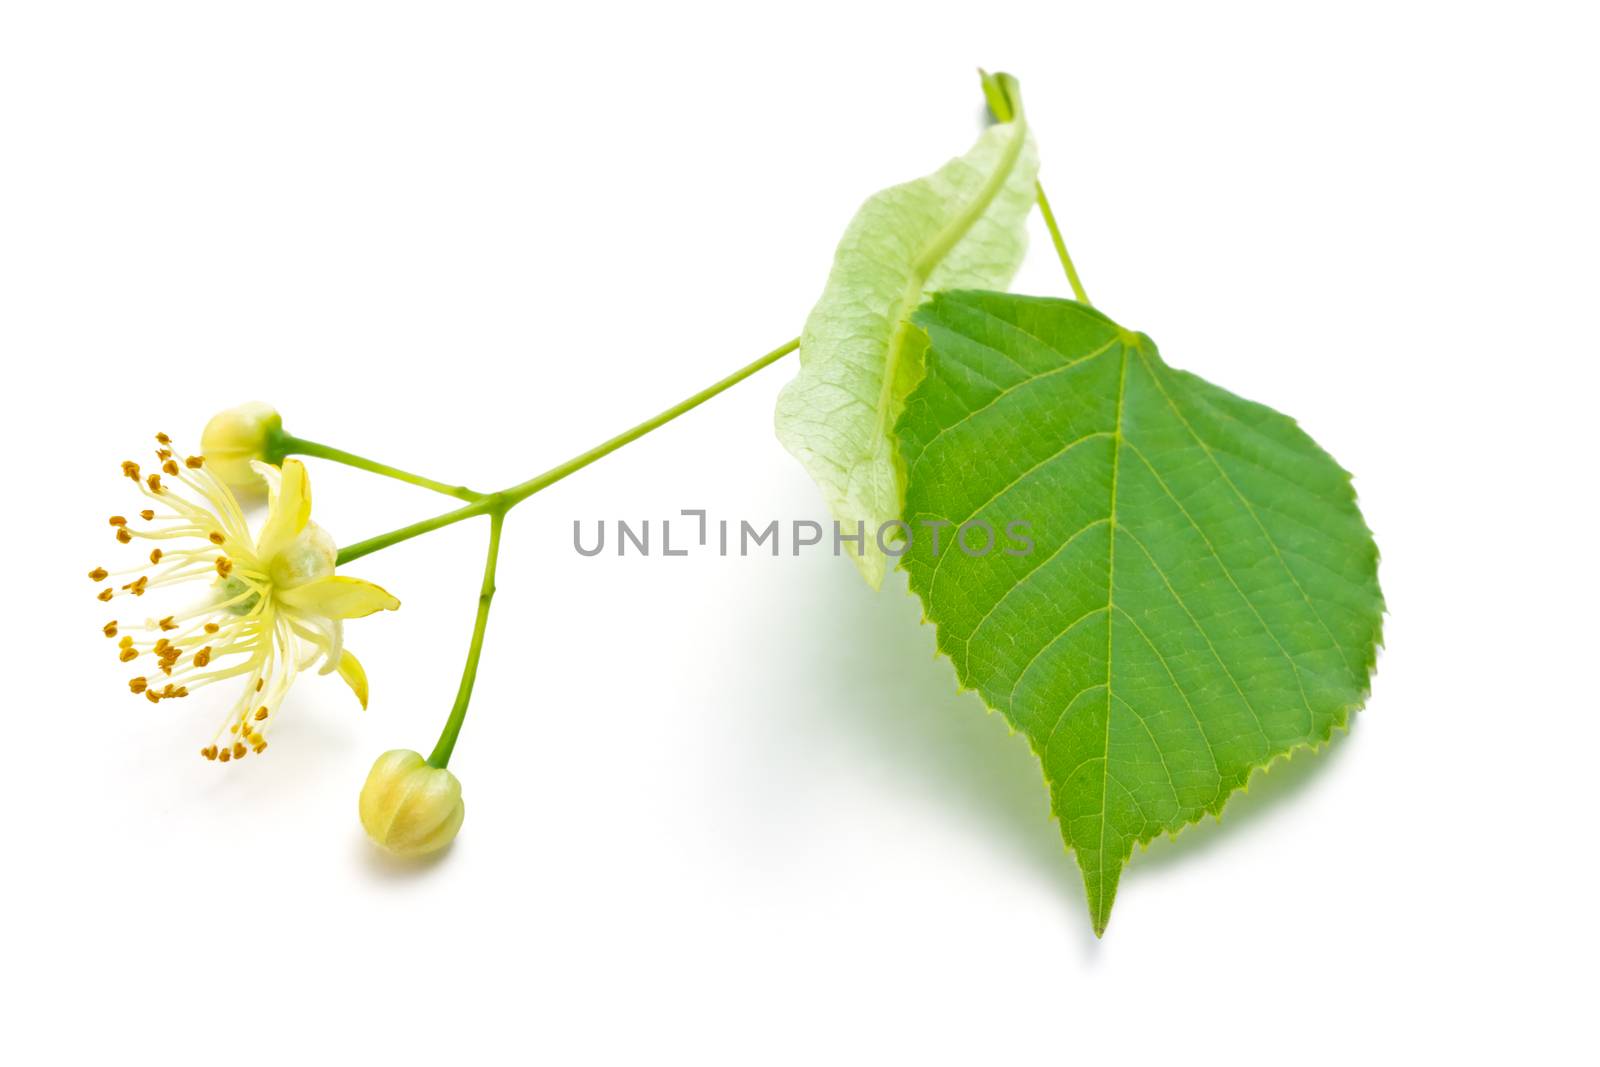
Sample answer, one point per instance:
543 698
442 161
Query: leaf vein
1355 665
1002 394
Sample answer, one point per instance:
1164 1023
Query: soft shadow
384 867
881 684
893 695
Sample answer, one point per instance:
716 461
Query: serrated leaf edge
1341 722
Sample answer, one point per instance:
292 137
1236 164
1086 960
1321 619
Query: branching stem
503 501
496 505
1005 101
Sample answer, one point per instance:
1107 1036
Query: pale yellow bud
408 807
235 437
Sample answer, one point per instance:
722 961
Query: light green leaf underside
859 359
1202 594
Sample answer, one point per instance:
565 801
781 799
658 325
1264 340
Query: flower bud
235 437
408 807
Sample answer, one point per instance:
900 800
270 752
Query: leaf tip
1002 94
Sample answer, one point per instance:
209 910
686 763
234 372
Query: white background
730 810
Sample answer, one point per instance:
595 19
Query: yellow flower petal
338 597
289 510
270 475
355 677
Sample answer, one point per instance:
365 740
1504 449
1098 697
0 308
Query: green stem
469 673
503 501
1061 246
518 493
289 445
1004 97
485 506
496 505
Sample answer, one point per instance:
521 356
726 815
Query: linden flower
274 607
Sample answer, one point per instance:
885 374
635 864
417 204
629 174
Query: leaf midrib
1101 914
928 261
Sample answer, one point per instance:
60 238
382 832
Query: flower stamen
244 627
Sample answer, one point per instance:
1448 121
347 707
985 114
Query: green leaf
961 226
1201 595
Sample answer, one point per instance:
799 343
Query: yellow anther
267 640
163 438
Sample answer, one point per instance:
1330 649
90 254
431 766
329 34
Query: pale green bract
960 227
1201 596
